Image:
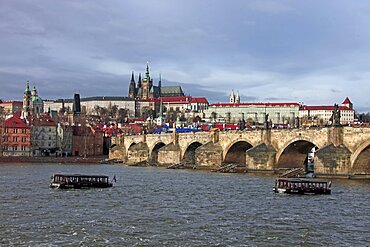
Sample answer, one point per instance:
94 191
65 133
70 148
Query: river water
160 207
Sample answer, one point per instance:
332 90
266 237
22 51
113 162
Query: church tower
37 104
159 85
27 101
132 87
237 100
232 97
147 84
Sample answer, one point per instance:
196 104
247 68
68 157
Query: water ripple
159 207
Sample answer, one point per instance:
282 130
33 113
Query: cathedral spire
147 76
132 87
139 81
160 80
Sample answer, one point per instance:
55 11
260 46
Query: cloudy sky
316 52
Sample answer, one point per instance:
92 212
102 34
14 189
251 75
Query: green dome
36 99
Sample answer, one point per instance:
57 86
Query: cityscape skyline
316 53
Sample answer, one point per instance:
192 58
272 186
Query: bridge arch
153 155
360 159
294 153
188 157
236 152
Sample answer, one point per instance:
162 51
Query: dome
36 99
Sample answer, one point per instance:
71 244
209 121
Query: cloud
315 52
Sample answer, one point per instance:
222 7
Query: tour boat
302 186
77 181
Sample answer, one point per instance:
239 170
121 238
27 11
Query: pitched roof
171 90
44 120
346 101
177 99
199 100
284 104
12 102
15 122
324 108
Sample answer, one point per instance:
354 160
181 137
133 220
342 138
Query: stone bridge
340 150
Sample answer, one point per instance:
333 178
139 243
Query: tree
146 112
171 116
114 111
122 114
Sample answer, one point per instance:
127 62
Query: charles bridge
339 150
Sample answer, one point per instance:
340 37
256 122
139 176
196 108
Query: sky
315 52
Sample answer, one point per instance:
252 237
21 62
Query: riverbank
74 160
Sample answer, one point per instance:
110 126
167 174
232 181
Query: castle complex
144 89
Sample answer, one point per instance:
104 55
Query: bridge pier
209 156
117 153
261 158
137 153
169 155
333 160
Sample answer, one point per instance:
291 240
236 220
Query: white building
323 114
88 104
43 136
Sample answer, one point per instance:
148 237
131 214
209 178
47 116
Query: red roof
15 122
199 100
346 101
324 108
12 102
44 120
178 99
255 104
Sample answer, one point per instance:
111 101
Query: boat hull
302 191
78 186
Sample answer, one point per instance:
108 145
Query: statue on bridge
242 122
335 118
266 123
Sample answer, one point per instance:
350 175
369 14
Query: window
23 131
15 148
49 129
15 139
15 131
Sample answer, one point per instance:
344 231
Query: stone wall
332 160
209 156
137 153
261 157
169 155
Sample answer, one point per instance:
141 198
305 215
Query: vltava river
159 207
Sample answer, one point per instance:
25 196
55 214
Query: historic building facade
11 106
144 89
89 104
16 137
254 113
32 103
323 113
87 141
43 136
